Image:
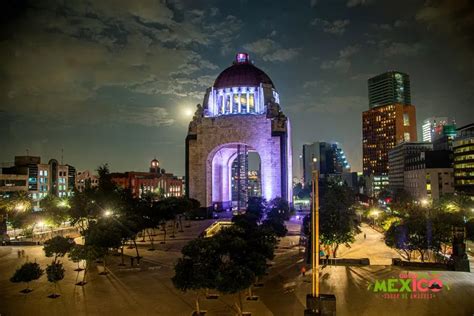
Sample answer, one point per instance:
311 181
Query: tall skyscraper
389 88
390 121
328 157
432 127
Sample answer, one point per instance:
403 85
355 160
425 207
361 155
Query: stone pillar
240 104
247 96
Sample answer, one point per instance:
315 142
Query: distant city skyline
118 84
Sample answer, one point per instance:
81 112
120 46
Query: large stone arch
215 133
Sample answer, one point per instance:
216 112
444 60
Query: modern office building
432 127
327 157
392 87
390 120
400 157
463 151
239 183
429 175
254 183
444 140
42 179
10 183
383 128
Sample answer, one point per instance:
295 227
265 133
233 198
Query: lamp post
317 303
315 235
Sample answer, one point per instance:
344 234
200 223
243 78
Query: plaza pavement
149 291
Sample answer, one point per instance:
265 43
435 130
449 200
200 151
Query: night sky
114 81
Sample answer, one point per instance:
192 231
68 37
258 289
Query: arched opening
236 176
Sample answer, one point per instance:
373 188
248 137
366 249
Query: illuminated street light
20 207
63 203
108 213
41 224
424 202
374 214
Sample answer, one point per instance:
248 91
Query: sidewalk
372 247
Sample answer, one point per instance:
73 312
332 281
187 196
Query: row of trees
422 227
56 248
108 218
338 222
232 260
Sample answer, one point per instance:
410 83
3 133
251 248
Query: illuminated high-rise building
433 127
389 121
392 87
327 157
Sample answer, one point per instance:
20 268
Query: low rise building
400 157
463 151
430 175
86 179
156 181
42 178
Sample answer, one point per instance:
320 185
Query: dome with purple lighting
242 74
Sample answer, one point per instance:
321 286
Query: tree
305 192
57 247
413 233
104 235
470 229
279 207
28 272
55 210
77 254
337 217
55 273
244 251
401 199
16 209
197 269
256 206
230 261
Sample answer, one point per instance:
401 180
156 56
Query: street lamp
424 202
108 213
374 214
41 225
316 302
20 207
63 203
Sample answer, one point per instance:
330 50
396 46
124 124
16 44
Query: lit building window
406 119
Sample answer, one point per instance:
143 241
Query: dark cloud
115 77
337 27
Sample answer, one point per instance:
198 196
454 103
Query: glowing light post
316 303
315 235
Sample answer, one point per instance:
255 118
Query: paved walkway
372 247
